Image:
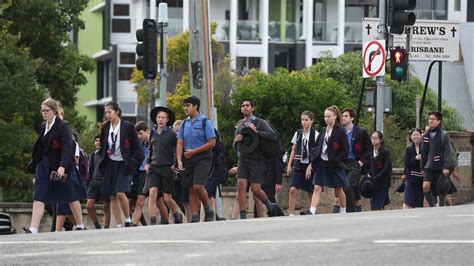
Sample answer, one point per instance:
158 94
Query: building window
244 64
121 25
125 73
171 3
121 19
128 108
431 9
121 10
127 58
457 5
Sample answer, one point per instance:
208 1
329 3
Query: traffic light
399 64
147 49
398 16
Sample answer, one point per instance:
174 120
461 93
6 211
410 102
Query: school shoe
275 210
195 219
163 221
80 229
178 218
305 212
27 231
209 216
128 224
218 218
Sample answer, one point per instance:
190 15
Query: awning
98 7
102 55
98 102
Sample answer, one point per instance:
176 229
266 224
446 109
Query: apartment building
263 34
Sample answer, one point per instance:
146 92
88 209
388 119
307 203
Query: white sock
80 226
128 220
119 226
291 214
312 210
343 210
33 230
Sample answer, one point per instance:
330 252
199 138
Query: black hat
249 142
366 186
443 186
157 109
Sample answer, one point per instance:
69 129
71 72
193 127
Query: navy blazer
60 148
361 146
130 147
412 169
381 168
337 147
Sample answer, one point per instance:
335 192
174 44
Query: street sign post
430 39
374 55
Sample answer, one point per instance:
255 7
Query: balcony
290 34
248 30
324 31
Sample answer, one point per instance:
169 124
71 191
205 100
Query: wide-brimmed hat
157 109
249 142
443 187
366 187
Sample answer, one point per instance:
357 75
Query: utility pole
151 83
162 25
200 56
380 81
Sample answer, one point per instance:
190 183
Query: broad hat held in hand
249 142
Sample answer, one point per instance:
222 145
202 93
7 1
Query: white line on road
163 242
374 217
423 241
40 242
302 241
461 215
107 252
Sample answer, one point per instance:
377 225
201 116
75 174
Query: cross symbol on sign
368 29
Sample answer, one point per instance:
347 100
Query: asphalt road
435 236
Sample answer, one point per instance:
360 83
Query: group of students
172 163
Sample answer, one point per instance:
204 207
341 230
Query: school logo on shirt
335 145
56 143
126 143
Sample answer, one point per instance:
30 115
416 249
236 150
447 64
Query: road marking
195 255
302 241
163 242
106 252
41 242
461 215
374 217
269 220
423 241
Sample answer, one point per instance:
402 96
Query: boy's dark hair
352 112
438 115
141 125
247 100
97 136
193 100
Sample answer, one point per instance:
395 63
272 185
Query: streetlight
162 25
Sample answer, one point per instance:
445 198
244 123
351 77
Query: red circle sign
366 67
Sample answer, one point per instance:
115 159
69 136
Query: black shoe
163 221
209 216
336 209
305 212
275 211
218 218
27 231
178 218
128 224
195 219
80 229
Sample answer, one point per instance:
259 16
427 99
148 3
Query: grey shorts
251 169
162 177
196 169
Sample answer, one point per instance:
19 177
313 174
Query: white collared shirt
117 155
48 126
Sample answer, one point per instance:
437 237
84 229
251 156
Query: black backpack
219 162
271 149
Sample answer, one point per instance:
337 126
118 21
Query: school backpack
83 166
271 149
453 151
219 162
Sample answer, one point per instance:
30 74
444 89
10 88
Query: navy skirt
379 199
298 177
114 180
53 192
326 176
413 194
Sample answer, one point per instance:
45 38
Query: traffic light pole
163 74
380 81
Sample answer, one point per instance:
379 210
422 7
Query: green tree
45 27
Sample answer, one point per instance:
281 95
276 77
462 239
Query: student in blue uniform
381 172
56 177
194 156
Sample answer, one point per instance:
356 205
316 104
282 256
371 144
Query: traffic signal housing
399 15
398 64
147 49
